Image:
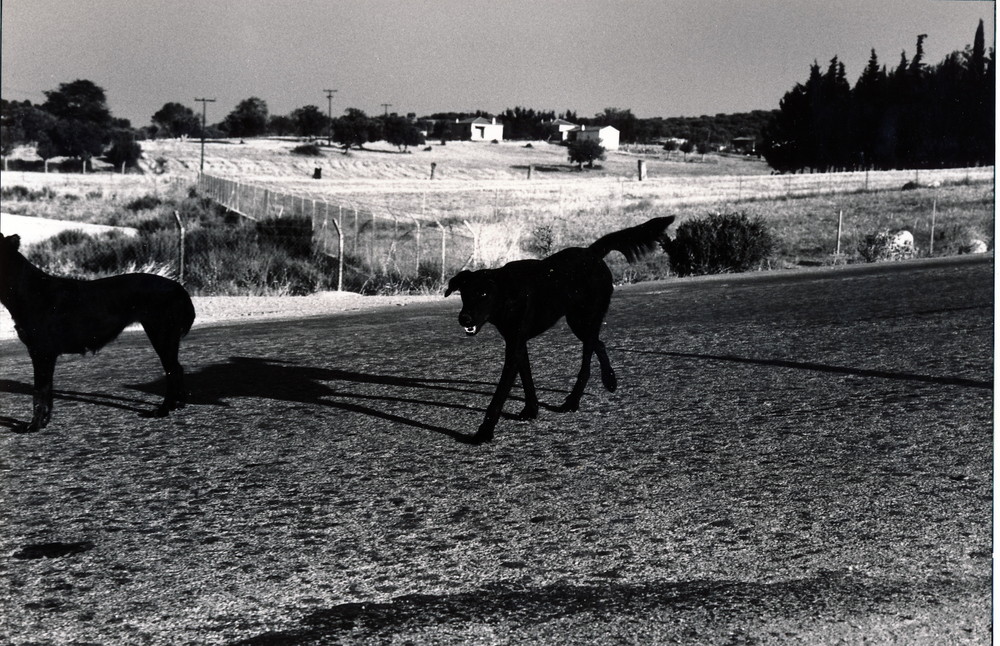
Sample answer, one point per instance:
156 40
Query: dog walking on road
55 315
524 298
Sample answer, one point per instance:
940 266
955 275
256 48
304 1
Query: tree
623 120
401 132
249 119
80 139
281 125
352 129
585 151
309 121
176 120
82 121
124 150
80 100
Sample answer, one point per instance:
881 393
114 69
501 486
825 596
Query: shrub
541 241
144 203
307 150
293 234
720 243
585 151
392 281
18 192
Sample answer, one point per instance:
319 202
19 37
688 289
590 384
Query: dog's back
96 311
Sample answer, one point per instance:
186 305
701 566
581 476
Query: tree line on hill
74 121
911 116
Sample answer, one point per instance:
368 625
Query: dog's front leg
507 375
44 367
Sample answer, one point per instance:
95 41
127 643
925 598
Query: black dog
526 297
54 315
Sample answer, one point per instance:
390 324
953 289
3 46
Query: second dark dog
524 298
55 315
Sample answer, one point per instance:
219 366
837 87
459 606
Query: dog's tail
634 242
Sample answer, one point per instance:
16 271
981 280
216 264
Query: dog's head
9 246
10 259
479 295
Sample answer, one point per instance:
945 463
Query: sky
665 58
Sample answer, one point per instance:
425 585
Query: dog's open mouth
471 330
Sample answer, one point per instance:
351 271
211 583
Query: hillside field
482 206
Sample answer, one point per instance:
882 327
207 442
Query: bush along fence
388 244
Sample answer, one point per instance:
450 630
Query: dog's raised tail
634 242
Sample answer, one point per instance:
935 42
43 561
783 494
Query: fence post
840 229
371 246
418 247
444 248
930 251
180 263
340 248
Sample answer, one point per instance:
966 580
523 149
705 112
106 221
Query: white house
607 136
560 129
478 129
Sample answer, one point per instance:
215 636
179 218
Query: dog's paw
484 434
569 407
528 413
610 380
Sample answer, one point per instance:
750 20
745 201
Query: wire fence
385 240
433 228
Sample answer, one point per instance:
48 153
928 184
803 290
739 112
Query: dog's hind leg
166 340
587 327
608 377
572 402
44 366
530 410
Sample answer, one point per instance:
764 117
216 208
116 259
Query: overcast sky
657 57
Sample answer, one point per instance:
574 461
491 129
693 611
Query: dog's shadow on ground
269 378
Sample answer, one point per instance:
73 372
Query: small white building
607 136
559 129
478 129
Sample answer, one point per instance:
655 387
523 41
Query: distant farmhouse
477 129
559 129
745 145
607 136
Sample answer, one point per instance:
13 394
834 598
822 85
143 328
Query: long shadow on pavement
267 378
819 367
522 607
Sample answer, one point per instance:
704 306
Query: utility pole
329 113
386 106
204 111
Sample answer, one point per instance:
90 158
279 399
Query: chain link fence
384 240
435 228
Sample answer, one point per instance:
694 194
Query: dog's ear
664 239
14 241
455 284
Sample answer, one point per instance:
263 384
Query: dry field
482 206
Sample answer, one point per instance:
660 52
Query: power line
386 106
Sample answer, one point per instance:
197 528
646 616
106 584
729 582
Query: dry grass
492 213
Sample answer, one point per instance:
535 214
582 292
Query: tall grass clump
392 281
720 243
224 254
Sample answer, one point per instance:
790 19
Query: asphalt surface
790 458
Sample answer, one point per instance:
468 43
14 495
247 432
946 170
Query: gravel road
799 458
